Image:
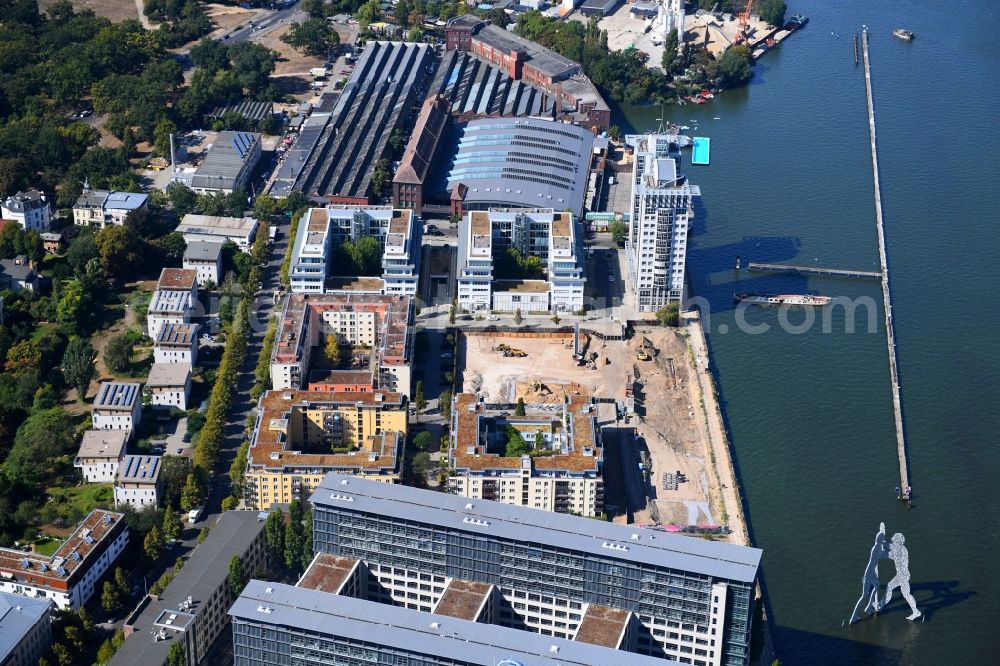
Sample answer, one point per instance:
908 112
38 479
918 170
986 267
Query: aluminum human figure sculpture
870 582
901 557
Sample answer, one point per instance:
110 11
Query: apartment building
322 231
691 600
174 300
484 261
272 620
176 343
99 208
138 481
69 576
100 454
300 436
379 330
661 214
218 229
205 258
25 629
169 385
563 472
117 406
192 609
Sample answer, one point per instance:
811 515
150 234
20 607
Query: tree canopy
313 37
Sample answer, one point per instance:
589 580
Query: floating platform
700 150
814 270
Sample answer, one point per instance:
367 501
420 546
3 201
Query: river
810 412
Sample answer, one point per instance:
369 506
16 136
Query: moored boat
903 34
781 299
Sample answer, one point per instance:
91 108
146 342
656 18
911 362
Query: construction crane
744 22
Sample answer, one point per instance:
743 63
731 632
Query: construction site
658 469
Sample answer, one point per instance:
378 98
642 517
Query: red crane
744 21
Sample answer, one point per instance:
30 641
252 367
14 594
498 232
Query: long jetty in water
897 404
813 270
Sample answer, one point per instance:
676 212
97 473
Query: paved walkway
724 470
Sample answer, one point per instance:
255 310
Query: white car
494 318
195 514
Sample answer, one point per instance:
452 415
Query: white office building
205 258
484 241
100 454
138 481
176 343
322 231
169 385
118 406
661 214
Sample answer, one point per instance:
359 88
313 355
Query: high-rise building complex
661 214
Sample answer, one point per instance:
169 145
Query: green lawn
47 546
80 500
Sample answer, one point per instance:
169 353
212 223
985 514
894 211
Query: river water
810 412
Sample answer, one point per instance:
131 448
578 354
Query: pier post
897 403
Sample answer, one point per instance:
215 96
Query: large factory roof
523 162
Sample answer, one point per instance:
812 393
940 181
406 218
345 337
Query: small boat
903 34
781 299
716 118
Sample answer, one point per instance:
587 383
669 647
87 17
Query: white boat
782 299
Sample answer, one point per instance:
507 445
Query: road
275 18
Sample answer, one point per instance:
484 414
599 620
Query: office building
304 625
192 609
690 598
520 163
661 215
25 629
70 575
169 385
100 454
117 406
99 208
317 265
379 330
228 164
138 481
564 472
205 258
485 239
217 229
300 436
29 209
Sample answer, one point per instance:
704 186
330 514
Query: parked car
194 515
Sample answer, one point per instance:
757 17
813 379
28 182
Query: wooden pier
897 404
813 270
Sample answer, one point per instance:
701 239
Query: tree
171 524
519 410
111 600
421 464
161 135
23 358
123 582
423 441
174 471
517 317
307 538
671 53
105 653
239 464
78 365
274 532
119 250
86 622
314 37
191 495
364 255
735 67
444 404
516 446
669 314
418 398
498 17
41 448
229 503
771 11
618 232
332 349
63 655
74 306
176 656
153 544
182 198
118 354
235 577
202 534
368 13
294 541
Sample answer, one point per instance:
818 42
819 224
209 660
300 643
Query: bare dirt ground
291 62
116 10
669 426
